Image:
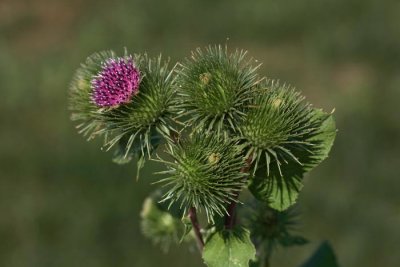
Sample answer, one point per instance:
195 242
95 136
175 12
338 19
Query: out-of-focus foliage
271 229
164 227
63 203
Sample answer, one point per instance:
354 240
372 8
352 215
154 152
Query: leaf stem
196 228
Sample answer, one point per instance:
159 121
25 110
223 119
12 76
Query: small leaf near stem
229 248
196 228
230 217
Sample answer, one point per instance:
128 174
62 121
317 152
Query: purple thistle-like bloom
116 83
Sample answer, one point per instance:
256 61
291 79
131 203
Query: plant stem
196 228
230 218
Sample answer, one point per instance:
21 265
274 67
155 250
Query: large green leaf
279 192
229 249
322 141
322 257
280 187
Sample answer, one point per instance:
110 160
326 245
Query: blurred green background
64 203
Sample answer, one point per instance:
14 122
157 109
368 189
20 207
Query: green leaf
280 193
323 140
229 249
280 187
322 257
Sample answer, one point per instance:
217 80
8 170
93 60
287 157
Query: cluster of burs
235 145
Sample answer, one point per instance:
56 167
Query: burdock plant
235 147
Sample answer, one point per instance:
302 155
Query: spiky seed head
278 125
116 83
215 86
285 138
205 173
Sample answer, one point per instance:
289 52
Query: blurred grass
64 203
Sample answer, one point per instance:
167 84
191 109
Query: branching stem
196 228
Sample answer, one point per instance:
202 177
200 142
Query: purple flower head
116 83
